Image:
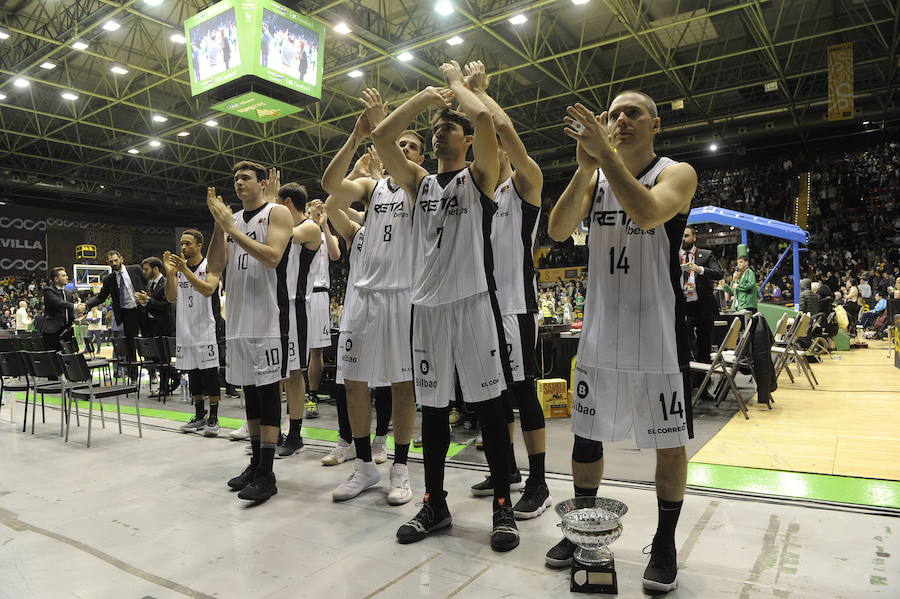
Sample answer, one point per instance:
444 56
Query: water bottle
184 389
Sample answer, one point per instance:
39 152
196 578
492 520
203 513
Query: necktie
121 290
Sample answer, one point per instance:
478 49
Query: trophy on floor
592 523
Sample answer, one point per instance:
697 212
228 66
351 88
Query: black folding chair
43 364
151 357
70 346
77 372
12 365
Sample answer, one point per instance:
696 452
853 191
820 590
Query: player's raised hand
220 211
585 160
452 73
476 78
178 262
588 130
167 262
439 96
273 184
376 108
373 163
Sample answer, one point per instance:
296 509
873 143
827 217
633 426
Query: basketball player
194 289
305 242
456 327
317 300
374 341
518 198
631 368
253 243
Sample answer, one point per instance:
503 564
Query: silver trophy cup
592 523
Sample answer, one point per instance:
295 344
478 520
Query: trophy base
594 578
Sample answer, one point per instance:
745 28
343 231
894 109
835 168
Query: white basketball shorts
608 404
261 361
464 338
193 357
374 343
297 353
318 320
521 332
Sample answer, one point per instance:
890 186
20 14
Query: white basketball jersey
354 256
512 239
195 314
318 270
257 305
452 256
634 309
386 260
299 262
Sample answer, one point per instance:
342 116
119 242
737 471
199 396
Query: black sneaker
243 479
560 555
505 535
486 487
534 502
289 447
232 392
261 488
425 522
661 574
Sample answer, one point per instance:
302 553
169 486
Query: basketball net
96 286
579 237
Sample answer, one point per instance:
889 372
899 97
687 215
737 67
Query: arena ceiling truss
707 63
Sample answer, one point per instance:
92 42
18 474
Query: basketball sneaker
364 475
505 535
339 454
379 450
194 426
560 555
312 408
661 574
486 487
239 434
289 447
260 488
400 492
534 501
212 428
243 479
428 520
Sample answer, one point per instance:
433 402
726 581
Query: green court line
801 485
307 432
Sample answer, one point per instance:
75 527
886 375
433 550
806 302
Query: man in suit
160 317
121 285
699 272
59 310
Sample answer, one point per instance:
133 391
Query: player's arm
648 208
216 256
171 277
528 178
331 242
269 251
406 174
575 202
340 220
485 166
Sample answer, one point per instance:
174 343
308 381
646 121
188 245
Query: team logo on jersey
618 218
394 207
582 389
461 180
504 188
425 189
423 366
449 205
262 220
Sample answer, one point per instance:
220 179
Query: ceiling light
21 82
79 45
3 35
355 73
455 40
111 25
183 133
134 151
177 38
160 118
119 70
518 19
48 65
69 96
342 28
443 8
153 2
678 104
211 123
713 147
865 122
2 96
154 143
578 2
404 57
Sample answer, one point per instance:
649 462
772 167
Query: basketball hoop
96 286
579 237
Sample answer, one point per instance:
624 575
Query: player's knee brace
586 451
269 405
211 381
195 383
530 412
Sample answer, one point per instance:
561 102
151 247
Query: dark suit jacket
705 282
163 321
111 289
59 309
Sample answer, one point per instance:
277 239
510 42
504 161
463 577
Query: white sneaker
240 434
364 475
340 453
400 492
379 450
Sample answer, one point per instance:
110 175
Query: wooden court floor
848 426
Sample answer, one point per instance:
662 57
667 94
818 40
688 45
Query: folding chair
77 372
819 344
124 360
781 329
718 366
151 356
791 352
70 346
12 365
43 364
735 359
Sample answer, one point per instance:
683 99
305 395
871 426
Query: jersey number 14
620 264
